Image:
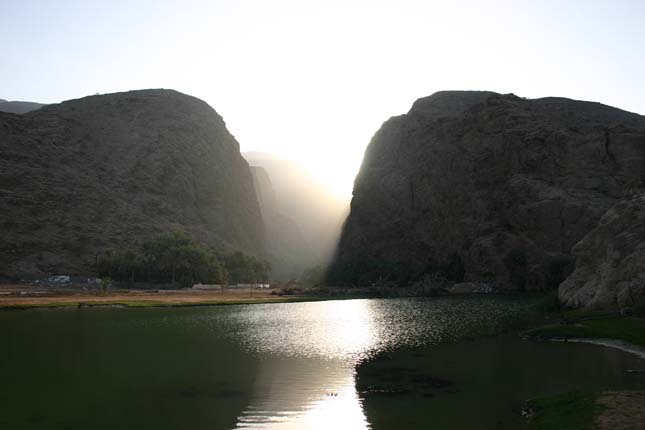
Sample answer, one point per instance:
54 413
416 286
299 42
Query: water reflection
304 394
307 381
345 330
308 352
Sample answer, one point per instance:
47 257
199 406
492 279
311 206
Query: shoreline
14 297
621 345
81 304
24 297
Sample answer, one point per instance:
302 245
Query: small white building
253 286
60 279
207 287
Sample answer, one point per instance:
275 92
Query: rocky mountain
484 187
108 172
287 250
18 107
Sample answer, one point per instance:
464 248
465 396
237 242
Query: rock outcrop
287 250
489 188
110 171
610 261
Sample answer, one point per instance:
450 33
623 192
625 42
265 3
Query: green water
284 366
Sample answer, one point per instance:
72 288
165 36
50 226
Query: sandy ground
21 295
625 410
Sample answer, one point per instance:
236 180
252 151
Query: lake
288 366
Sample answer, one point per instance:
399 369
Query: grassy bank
586 411
571 411
628 329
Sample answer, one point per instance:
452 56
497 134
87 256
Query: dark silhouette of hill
110 171
484 187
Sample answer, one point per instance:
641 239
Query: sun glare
337 175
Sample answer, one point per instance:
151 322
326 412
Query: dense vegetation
176 258
630 330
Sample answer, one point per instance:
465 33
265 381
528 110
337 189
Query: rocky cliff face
287 250
109 171
486 187
610 260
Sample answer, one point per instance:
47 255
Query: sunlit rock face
479 186
610 260
109 171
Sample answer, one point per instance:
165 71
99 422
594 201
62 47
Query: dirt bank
21 296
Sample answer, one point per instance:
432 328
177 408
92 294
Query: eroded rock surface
610 260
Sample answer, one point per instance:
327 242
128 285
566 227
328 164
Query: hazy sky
313 80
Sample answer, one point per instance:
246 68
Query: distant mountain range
288 251
296 196
18 107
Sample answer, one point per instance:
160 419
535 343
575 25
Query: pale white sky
313 80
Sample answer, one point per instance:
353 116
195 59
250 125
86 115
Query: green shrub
176 258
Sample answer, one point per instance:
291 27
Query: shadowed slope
486 187
109 171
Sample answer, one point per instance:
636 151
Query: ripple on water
352 330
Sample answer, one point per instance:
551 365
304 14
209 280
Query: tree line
174 257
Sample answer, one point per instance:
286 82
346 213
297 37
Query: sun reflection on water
309 382
344 330
308 351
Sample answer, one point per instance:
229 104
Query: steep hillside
486 187
106 172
